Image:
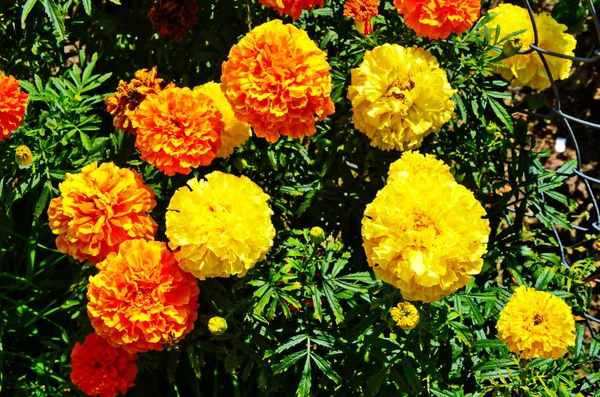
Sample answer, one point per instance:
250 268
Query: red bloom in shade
174 17
13 103
99 369
362 11
292 8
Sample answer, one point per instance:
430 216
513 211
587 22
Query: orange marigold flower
437 19
13 103
292 8
99 369
174 17
141 299
178 129
277 80
362 11
100 208
123 104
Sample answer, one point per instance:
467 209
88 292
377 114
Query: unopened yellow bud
317 235
511 47
23 156
217 325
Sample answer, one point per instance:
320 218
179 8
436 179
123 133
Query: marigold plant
424 233
362 11
292 8
13 103
178 129
536 324
438 19
399 96
277 80
99 369
528 69
141 299
100 208
221 225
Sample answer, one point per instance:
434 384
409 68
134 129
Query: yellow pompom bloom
217 325
221 225
236 132
405 315
536 324
399 96
23 156
424 233
528 69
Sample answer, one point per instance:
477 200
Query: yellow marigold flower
100 208
141 300
221 225
405 315
13 103
399 96
277 80
23 156
236 132
536 324
362 11
124 103
292 8
178 129
217 325
528 69
424 233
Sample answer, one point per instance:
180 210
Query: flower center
143 298
538 319
134 98
400 88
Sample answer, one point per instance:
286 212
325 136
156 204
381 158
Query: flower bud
217 325
317 235
405 315
511 47
23 156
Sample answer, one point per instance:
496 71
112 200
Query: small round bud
511 47
405 315
317 235
23 156
240 163
217 325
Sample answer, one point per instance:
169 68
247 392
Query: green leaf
325 366
288 361
26 10
87 6
85 140
55 15
544 278
502 114
305 381
40 205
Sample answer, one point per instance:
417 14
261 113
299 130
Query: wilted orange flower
123 104
277 80
141 299
178 129
13 103
99 369
437 19
292 8
99 209
362 11
175 17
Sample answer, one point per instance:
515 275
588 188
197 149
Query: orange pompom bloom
292 8
141 299
178 129
100 208
437 19
123 104
13 103
99 369
173 17
362 11
277 80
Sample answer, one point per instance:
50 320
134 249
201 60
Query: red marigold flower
99 369
277 80
13 103
174 17
292 8
178 129
362 11
100 208
123 104
437 19
141 299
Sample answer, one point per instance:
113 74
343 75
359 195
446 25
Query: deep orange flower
99 369
174 17
99 209
437 19
277 80
362 11
123 104
13 103
178 129
292 8
141 299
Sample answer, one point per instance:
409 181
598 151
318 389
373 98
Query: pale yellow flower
217 325
405 315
